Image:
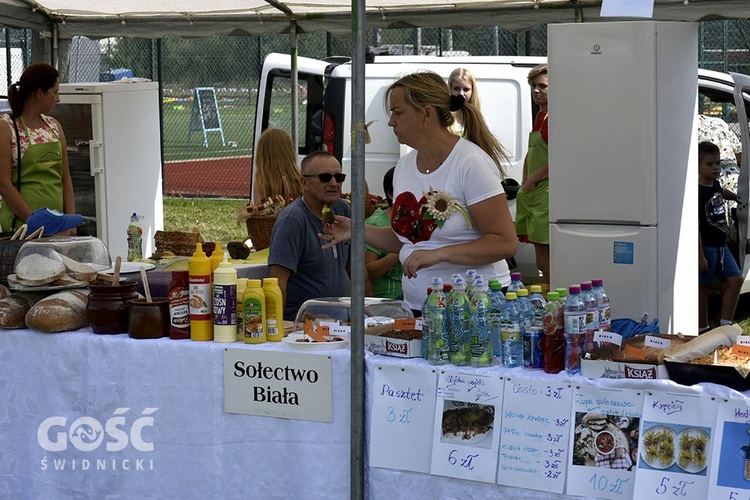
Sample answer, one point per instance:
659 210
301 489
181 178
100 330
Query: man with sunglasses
304 270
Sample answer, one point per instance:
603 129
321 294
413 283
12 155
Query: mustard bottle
225 302
274 310
217 256
199 282
241 285
254 313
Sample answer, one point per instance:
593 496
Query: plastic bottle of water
470 275
554 335
524 305
135 239
515 282
563 294
480 341
510 332
425 325
575 330
439 341
538 303
592 313
603 305
497 303
458 307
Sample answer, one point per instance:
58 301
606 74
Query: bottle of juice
274 310
199 278
241 285
254 313
225 302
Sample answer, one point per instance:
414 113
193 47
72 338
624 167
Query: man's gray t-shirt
295 245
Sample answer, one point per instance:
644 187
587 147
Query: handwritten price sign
535 431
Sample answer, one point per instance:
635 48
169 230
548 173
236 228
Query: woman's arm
382 238
8 191
542 173
498 240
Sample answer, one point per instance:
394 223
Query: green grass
214 218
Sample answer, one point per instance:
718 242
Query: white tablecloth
198 450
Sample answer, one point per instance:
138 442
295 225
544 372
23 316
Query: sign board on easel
204 114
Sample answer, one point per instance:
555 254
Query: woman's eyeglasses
326 178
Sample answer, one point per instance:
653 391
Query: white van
325 94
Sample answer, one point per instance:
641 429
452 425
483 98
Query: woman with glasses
450 211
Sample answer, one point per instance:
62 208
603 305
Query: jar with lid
107 308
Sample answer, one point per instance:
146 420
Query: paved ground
225 177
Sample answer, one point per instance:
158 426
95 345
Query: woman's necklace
428 170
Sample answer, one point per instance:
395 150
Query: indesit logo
89 434
596 50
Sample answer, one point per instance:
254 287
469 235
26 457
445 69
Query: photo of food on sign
609 441
468 424
734 457
674 448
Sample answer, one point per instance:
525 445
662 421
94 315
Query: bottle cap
574 289
447 287
495 285
551 296
586 285
522 292
253 283
562 291
597 282
511 296
516 276
535 289
270 281
180 275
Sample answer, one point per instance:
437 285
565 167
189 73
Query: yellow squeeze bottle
254 313
225 302
199 283
216 257
274 310
241 284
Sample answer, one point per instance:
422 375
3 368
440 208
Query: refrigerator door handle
97 157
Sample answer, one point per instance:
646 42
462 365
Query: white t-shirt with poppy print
470 176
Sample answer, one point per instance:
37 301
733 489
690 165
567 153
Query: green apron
41 179
532 207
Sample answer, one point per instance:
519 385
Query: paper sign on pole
403 411
467 419
534 434
278 384
604 442
730 461
674 449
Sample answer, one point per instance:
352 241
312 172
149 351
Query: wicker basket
259 229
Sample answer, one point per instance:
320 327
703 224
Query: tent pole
295 83
358 270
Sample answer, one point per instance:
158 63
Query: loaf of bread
14 307
61 312
37 269
703 344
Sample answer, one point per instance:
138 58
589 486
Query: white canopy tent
59 19
195 18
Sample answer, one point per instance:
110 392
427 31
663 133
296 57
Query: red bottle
179 306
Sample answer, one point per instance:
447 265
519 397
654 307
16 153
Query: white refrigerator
623 165
114 151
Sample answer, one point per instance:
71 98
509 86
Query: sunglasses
326 178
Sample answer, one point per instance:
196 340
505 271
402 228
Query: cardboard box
377 344
604 368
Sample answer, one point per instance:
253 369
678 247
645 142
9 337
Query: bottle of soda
135 239
575 330
603 305
554 335
480 342
592 313
563 293
458 305
515 282
425 325
510 332
533 355
439 341
470 275
497 303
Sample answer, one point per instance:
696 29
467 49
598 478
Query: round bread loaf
40 269
61 312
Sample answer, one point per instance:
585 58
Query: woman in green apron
532 203
43 179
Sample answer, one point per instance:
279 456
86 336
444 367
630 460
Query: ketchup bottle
179 306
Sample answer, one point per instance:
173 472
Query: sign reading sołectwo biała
276 384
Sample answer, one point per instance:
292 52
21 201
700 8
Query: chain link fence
229 69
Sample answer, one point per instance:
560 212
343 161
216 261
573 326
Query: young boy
715 261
